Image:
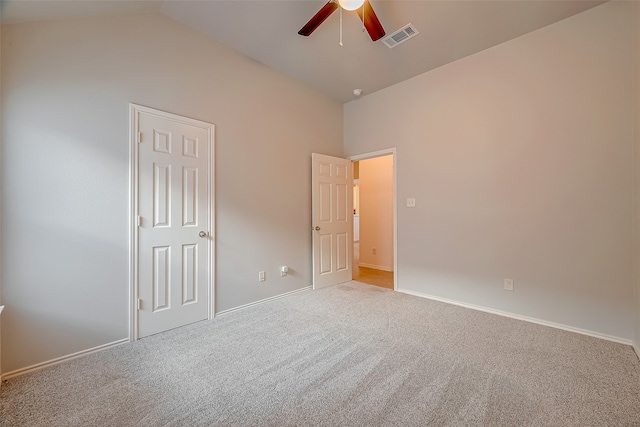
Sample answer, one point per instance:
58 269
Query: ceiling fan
363 8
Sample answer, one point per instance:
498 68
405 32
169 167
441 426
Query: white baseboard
262 301
62 359
524 318
637 350
375 267
1 308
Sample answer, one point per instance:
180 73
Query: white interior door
332 222
175 217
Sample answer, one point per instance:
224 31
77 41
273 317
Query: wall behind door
66 88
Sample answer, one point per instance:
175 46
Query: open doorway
374 219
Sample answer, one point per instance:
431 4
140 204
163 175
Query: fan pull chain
340 26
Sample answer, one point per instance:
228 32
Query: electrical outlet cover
508 284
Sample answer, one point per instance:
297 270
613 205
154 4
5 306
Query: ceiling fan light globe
351 4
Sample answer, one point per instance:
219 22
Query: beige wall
636 191
376 213
66 89
520 160
1 307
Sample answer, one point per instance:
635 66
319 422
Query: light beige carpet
349 355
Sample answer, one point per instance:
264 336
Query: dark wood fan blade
371 22
318 18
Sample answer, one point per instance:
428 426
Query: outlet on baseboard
508 284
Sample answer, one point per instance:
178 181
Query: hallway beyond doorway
370 276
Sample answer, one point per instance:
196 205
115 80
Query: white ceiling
266 30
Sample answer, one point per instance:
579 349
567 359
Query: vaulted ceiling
266 31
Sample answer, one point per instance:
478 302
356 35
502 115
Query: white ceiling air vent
400 36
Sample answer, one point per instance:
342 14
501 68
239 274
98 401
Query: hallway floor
370 276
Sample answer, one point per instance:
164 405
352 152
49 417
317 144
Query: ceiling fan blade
371 22
318 18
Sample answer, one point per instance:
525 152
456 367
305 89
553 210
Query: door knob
202 234
317 228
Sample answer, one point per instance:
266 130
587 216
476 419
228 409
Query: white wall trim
82 353
262 301
133 212
1 308
62 359
523 318
375 267
387 151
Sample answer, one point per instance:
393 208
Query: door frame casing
372 155
134 110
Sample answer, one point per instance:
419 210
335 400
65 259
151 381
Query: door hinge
139 137
139 221
139 304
